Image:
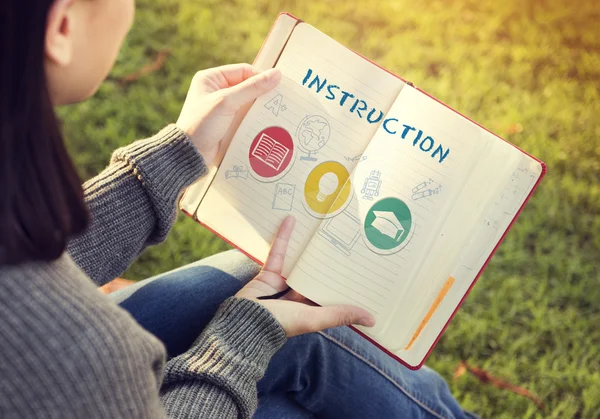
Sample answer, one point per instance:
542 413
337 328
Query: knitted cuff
249 329
230 356
164 164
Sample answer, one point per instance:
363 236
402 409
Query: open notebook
399 200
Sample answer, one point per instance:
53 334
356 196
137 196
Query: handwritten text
372 115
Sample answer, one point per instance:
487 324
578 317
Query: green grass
534 317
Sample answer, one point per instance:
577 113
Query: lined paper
522 174
374 281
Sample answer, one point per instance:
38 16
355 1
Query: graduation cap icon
388 224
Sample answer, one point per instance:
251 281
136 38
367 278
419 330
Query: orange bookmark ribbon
434 306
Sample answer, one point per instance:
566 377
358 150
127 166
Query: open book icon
270 151
387 223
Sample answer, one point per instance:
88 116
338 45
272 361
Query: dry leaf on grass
514 128
485 377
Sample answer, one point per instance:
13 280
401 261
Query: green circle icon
388 224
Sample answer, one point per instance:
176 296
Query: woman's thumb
253 87
340 315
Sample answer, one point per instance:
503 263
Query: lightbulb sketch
327 185
327 189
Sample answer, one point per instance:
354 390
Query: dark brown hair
41 199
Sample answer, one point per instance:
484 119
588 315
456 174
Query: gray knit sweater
67 351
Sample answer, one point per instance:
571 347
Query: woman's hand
215 96
296 314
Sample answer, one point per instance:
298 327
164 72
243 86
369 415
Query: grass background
528 70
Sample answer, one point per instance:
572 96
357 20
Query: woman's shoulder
59 286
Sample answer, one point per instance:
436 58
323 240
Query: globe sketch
313 133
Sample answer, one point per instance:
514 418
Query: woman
66 351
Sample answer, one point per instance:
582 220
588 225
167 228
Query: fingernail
289 223
290 219
368 321
272 77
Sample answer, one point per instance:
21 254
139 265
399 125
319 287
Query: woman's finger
253 87
229 75
320 318
276 258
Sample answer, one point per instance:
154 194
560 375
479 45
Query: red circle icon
271 152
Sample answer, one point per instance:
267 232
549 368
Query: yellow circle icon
327 187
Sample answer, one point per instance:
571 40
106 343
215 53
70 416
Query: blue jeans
332 374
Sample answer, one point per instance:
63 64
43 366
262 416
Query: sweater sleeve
217 377
132 203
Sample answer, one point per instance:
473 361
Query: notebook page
460 224
247 203
518 180
402 188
